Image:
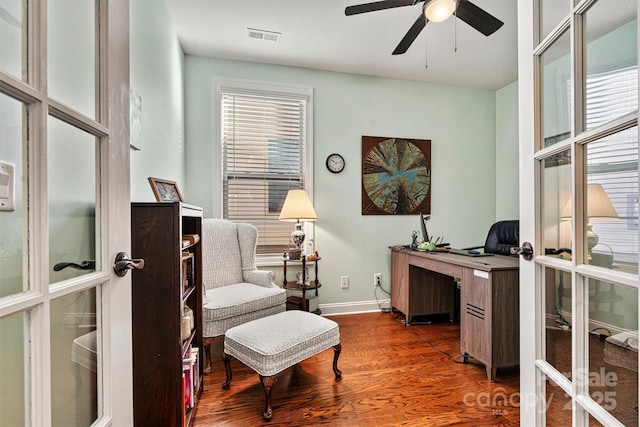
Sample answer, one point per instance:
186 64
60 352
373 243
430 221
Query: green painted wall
156 63
460 122
507 152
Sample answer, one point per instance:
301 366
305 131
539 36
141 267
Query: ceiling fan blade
411 35
478 18
378 5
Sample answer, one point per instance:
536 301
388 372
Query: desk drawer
445 268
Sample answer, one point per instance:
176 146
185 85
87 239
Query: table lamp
599 207
297 207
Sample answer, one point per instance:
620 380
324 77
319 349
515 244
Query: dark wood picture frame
396 176
165 190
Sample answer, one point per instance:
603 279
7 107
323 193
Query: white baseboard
355 307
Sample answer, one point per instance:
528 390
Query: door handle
123 264
84 265
526 250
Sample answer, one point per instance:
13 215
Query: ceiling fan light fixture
439 10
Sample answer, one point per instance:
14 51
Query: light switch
7 187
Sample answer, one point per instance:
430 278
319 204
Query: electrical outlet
377 279
344 282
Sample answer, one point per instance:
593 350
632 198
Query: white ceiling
317 34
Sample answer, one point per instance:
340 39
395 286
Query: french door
578 97
65 321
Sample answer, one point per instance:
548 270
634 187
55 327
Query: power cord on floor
564 323
375 292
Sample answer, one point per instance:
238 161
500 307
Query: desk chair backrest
503 235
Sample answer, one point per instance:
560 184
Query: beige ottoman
274 343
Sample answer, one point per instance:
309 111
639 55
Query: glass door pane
75 352
13 46
558 319
556 197
613 349
611 52
72 201
13 358
558 404
612 201
72 54
556 91
12 221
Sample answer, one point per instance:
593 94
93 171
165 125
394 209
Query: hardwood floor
391 375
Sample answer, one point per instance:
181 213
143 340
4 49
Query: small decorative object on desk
414 239
313 257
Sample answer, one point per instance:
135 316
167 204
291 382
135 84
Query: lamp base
592 241
297 236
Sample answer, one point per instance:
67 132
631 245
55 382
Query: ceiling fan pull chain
455 31
426 51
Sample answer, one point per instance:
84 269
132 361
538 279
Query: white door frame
116 297
527 190
115 390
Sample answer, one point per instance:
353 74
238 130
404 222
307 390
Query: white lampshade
297 207
598 203
439 10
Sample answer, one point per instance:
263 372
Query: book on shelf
191 372
184 398
190 239
187 270
195 356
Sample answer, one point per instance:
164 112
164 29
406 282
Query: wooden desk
423 283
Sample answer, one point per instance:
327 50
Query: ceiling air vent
264 35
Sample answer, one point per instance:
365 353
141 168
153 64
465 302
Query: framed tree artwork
396 176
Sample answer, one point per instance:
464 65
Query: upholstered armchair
235 291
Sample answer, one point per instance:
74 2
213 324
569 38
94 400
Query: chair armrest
259 277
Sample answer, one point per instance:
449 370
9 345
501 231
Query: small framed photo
165 190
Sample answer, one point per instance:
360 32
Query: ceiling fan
436 11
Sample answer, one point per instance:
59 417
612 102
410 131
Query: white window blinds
263 139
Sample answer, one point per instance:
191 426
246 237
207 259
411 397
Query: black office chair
502 236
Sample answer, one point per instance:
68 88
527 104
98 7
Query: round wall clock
335 163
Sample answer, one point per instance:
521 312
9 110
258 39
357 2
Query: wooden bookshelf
171 279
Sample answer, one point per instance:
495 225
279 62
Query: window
265 139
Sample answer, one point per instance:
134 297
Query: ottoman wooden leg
267 384
336 354
227 367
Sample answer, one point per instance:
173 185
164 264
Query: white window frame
255 87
